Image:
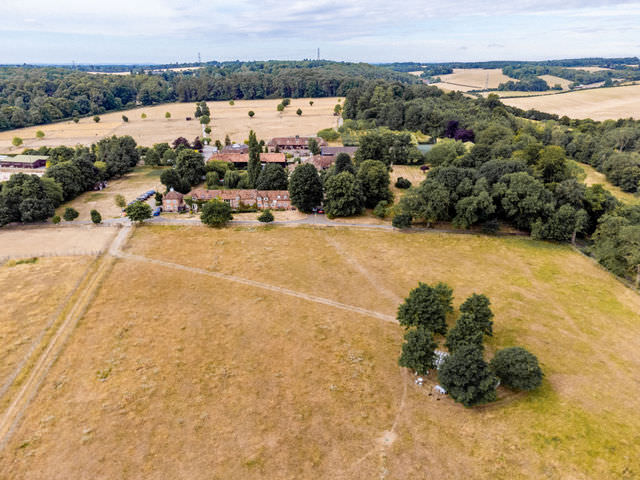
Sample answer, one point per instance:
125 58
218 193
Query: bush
120 201
125 119
56 219
402 220
213 180
266 216
381 209
138 211
70 214
96 217
517 368
402 183
96 118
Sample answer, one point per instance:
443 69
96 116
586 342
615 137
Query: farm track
36 373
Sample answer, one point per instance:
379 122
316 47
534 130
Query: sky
170 31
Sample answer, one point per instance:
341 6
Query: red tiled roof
173 195
273 158
323 161
230 157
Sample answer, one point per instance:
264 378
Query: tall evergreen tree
254 168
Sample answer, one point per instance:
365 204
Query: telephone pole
318 53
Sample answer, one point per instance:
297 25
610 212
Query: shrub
56 219
231 102
120 201
251 113
96 217
402 220
96 118
70 214
39 134
381 209
213 180
76 119
266 216
517 368
402 183
16 141
125 119
143 116
299 112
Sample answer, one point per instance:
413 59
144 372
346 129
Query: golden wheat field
232 120
597 103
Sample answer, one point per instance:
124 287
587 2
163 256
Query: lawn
176 374
232 120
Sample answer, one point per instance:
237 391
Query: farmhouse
241 160
296 145
261 199
173 201
24 161
322 162
235 148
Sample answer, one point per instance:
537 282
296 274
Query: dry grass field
232 120
30 295
67 240
411 173
592 176
178 374
130 186
597 104
474 78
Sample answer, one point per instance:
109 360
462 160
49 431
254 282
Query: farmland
597 104
592 176
474 78
191 373
232 120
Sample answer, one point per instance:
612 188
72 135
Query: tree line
41 95
70 172
516 171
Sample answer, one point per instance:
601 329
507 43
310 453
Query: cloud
495 45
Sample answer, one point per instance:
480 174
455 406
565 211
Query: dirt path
36 372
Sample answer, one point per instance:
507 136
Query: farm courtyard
272 353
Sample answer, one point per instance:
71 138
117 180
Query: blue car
156 211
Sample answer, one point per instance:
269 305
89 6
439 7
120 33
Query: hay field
130 186
226 119
63 240
597 104
475 78
30 295
176 374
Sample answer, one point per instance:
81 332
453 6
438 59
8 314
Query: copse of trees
463 373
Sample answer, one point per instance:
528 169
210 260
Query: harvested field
30 295
186 375
68 240
553 80
589 69
227 119
597 103
130 186
475 78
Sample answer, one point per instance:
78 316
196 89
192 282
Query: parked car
156 211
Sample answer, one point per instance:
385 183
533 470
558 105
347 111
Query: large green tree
138 211
465 332
254 167
427 306
343 195
272 177
477 306
305 187
517 368
418 350
190 166
467 377
374 180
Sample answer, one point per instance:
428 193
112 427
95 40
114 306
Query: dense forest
517 171
39 95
